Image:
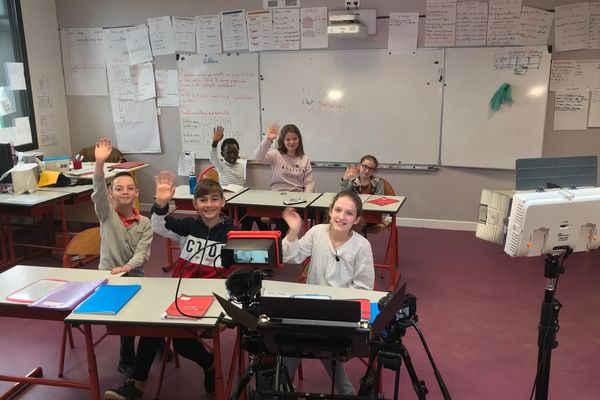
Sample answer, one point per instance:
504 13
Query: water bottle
192 181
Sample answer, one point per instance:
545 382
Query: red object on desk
126 165
196 306
382 201
365 308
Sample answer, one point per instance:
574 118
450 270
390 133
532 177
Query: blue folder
108 299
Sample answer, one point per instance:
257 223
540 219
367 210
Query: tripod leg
546 342
418 385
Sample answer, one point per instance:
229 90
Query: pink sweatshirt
291 174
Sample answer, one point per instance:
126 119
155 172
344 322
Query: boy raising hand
126 236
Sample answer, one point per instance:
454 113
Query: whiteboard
351 103
473 136
219 90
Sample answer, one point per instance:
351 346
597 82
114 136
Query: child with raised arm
126 236
232 170
201 240
361 178
339 257
291 170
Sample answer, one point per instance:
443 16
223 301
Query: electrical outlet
352 4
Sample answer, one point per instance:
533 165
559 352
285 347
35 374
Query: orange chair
210 173
84 247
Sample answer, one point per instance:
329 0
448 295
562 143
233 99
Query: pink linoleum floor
477 307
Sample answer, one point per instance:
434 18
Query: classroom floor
477 307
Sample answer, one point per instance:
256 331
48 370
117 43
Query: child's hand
118 270
165 187
102 150
273 132
351 171
218 134
294 221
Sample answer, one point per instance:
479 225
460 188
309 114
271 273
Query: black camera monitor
389 310
6 161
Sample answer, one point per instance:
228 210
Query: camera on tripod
404 318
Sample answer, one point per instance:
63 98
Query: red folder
126 165
365 308
194 306
382 201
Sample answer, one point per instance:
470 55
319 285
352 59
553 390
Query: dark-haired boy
126 235
201 240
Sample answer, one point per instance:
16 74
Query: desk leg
65 230
236 217
92 367
169 265
220 389
393 257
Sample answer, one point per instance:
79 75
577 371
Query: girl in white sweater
340 257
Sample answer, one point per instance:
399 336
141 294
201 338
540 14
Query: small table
374 211
29 205
270 203
20 276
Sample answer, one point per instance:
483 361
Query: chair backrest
210 173
85 243
388 190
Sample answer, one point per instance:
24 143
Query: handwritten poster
161 35
403 31
233 30
260 30
594 117
440 23
286 29
534 26
574 74
594 31
138 44
218 90
471 23
167 88
83 61
208 34
571 109
503 17
313 28
571 26
184 34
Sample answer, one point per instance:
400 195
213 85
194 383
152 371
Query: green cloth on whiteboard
502 95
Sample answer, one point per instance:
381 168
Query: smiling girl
340 257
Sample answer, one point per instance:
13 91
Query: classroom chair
85 246
210 173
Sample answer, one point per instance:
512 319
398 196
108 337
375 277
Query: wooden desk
21 276
269 203
141 316
78 193
29 205
324 202
374 211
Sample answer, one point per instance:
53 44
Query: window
12 50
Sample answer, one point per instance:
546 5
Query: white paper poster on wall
471 23
83 61
313 28
571 109
161 35
403 31
233 30
208 34
571 26
167 88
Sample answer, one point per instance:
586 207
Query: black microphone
337 258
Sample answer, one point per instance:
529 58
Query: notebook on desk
108 299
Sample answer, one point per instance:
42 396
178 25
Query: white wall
43 53
450 194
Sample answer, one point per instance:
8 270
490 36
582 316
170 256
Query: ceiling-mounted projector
346 24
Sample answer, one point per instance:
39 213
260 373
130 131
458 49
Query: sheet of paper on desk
82 171
68 295
233 188
35 290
